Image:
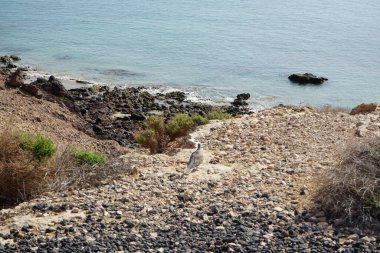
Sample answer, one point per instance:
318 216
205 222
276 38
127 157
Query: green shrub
153 137
157 124
180 125
89 157
157 135
41 147
219 115
148 138
199 120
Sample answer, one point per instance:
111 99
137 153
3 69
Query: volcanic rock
31 89
306 78
16 79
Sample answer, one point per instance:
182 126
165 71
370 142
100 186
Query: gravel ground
251 194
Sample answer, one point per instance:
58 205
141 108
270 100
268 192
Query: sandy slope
257 168
19 111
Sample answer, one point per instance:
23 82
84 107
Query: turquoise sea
210 48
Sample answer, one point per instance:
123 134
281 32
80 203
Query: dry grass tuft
71 174
352 190
332 109
21 174
24 175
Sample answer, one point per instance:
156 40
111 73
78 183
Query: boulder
16 79
53 90
241 100
52 86
6 59
31 89
364 108
239 105
15 58
306 78
243 96
8 62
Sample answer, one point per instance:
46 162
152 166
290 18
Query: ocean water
210 48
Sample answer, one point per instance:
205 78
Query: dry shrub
24 175
71 174
21 175
352 189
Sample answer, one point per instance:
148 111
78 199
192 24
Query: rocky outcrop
15 58
306 78
51 90
117 113
177 95
52 86
32 90
16 80
239 105
364 108
8 61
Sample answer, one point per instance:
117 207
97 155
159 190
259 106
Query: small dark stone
97 129
137 116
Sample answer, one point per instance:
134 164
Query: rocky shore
110 113
252 193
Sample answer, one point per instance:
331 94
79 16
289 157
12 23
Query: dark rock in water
177 95
243 96
306 78
239 105
16 79
119 72
238 102
32 90
7 61
15 58
82 82
241 99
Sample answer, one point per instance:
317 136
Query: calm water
211 47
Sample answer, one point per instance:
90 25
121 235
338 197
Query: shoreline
112 113
194 94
